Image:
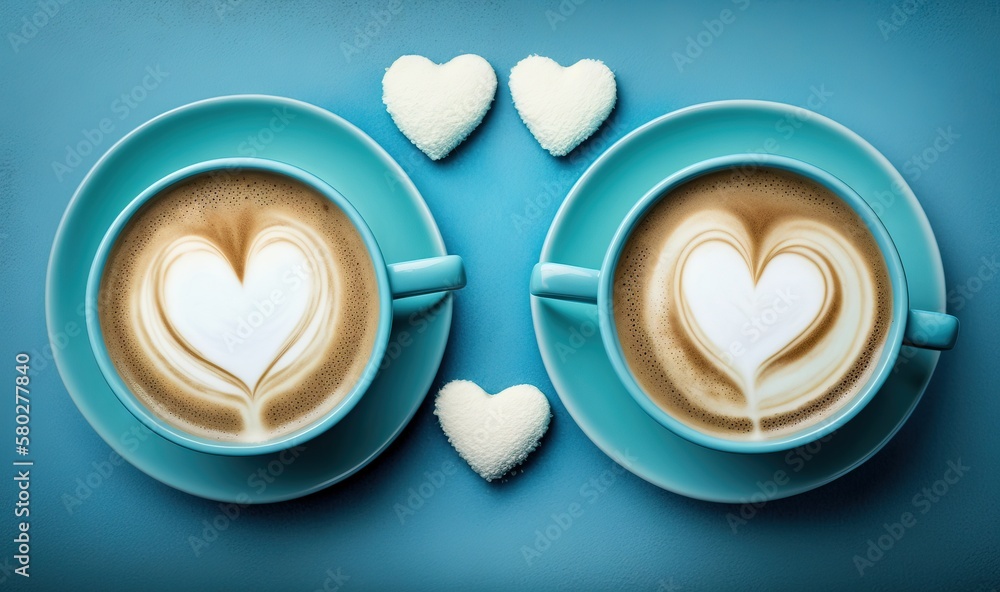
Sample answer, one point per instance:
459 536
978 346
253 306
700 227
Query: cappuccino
239 306
751 304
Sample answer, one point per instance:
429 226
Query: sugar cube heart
437 106
493 433
562 107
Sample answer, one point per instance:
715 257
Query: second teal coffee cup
918 328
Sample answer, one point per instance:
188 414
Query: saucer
312 139
574 355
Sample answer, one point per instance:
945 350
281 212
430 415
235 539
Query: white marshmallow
493 433
437 106
562 107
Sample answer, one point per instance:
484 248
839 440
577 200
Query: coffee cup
242 306
687 326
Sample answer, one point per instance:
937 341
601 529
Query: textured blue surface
930 80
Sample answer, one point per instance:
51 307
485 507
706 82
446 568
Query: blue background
897 88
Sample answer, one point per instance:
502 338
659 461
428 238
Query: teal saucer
312 139
583 228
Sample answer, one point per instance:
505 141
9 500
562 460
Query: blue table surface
901 74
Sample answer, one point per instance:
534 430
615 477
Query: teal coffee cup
918 328
391 281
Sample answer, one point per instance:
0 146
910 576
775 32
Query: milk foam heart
493 433
243 326
798 261
232 323
744 321
751 303
240 306
562 107
437 106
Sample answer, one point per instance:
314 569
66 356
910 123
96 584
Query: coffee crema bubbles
239 306
751 304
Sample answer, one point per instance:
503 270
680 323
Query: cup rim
814 432
220 447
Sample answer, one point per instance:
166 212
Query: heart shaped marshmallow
493 433
438 106
562 107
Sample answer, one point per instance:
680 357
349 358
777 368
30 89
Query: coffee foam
188 282
750 305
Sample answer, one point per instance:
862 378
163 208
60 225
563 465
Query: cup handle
565 282
930 330
426 276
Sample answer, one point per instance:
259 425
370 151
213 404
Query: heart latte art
239 307
751 305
